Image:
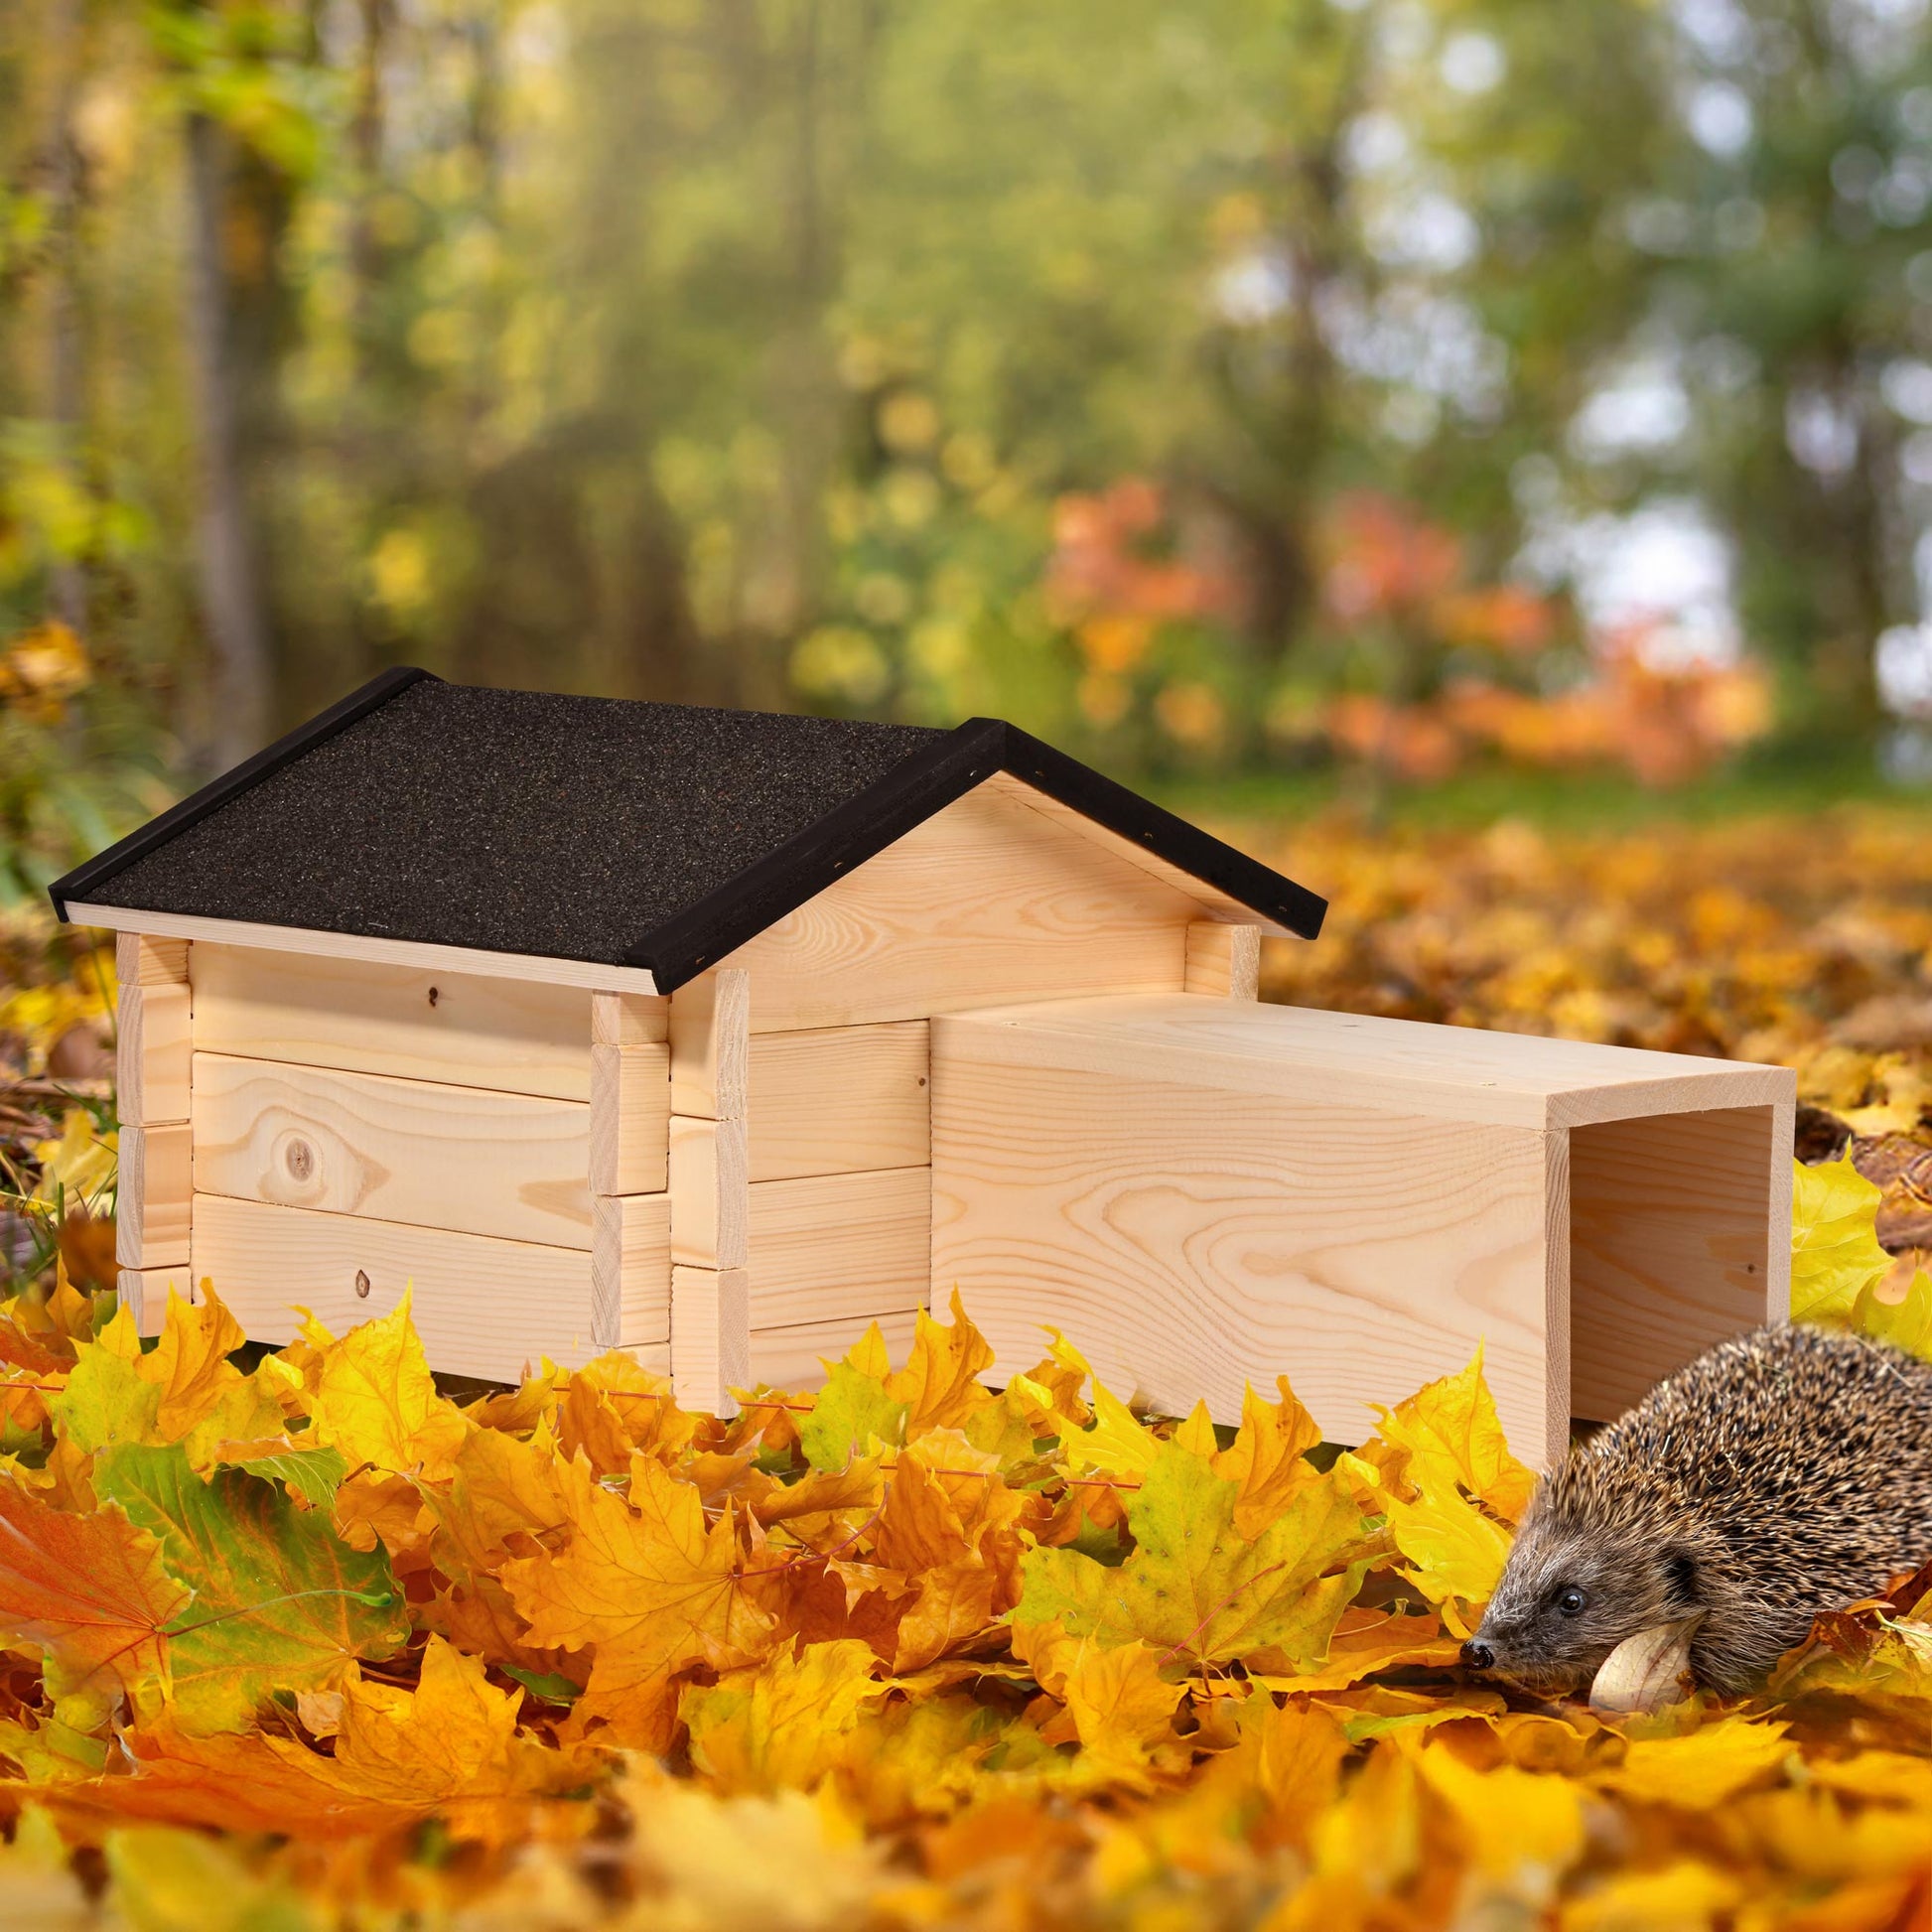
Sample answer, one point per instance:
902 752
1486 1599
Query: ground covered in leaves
294 1640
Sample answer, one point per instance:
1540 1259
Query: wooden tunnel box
1195 1189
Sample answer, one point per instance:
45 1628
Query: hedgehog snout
1478 1654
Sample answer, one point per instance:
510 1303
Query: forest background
1349 393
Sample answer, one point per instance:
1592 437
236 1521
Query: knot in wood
300 1159
362 1285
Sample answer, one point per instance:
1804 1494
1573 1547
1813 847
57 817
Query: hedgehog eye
1571 1602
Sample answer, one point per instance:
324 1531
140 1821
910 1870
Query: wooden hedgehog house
715 1036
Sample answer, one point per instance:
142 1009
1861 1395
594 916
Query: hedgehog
1785 1472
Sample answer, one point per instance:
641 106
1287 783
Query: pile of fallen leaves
292 1640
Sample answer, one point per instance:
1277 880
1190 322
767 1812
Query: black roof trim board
444 851
85 879
911 793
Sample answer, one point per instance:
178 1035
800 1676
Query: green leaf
1193 1588
547 1685
280 1603
852 1408
315 1475
1834 1251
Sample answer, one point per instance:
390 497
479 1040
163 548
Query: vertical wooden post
1224 961
153 1063
710 1187
629 1076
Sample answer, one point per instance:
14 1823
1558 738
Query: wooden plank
839 1100
1225 961
708 1188
540 968
630 1118
793 1360
153 1196
409 1021
834 1245
1404 1065
1676 1241
482 1305
710 1044
150 962
501 1164
152 1049
711 1351
1192 1239
628 1020
1209 897
144 1290
987 901
631 1270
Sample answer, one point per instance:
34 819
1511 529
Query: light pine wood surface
838 1245
589 974
711 1353
796 1358
1190 1238
483 1306
629 1019
406 1022
1680 1235
988 900
1400 1066
152 1046
150 962
631 1270
630 1118
509 1165
1225 961
709 1192
153 1196
710 1034
144 1290
839 1100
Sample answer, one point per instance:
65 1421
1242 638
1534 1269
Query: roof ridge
79 883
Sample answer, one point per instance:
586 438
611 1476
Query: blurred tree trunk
231 586
66 350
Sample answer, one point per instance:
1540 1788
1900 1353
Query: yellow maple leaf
190 1364
939 1384
1702 1769
1685 1895
1905 1322
374 1400
1269 1458
776 1724
1525 1827
1455 1440
1834 1251
646 1582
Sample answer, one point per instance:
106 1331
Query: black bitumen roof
629 834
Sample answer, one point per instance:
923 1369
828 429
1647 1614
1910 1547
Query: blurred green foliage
929 359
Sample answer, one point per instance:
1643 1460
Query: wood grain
1192 1239
838 1245
794 1359
711 1353
150 962
1224 961
509 1165
709 1033
153 1196
1403 1065
987 901
483 1306
144 1290
839 1100
709 1204
628 1020
152 1049
1675 1237
630 1118
536 967
407 1021
631 1270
